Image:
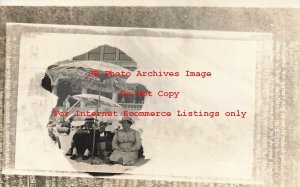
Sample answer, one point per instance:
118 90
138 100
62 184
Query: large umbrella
101 104
93 100
104 105
95 105
78 74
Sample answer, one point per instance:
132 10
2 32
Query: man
82 141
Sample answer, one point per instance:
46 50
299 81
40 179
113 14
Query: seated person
105 144
125 144
101 140
110 130
82 142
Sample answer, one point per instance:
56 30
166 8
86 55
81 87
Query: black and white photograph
132 96
118 104
88 117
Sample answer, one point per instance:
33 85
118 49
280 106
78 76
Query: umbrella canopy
104 105
78 74
94 99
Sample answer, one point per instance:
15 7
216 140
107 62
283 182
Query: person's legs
85 155
74 154
74 144
108 142
101 150
78 145
124 158
89 141
70 151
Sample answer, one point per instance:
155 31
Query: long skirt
126 156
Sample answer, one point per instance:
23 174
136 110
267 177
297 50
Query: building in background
109 54
63 88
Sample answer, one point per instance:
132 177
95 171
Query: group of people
122 146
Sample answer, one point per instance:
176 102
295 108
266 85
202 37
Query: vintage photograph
140 94
136 101
88 117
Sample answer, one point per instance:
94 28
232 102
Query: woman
126 143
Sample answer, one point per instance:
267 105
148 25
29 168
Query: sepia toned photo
90 105
112 103
143 102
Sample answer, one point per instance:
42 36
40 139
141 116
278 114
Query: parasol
95 105
93 99
78 74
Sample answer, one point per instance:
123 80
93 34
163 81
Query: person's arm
138 142
115 144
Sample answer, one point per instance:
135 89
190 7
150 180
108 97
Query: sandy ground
98 164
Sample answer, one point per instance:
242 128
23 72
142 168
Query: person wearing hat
126 143
82 142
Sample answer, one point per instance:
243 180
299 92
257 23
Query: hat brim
130 121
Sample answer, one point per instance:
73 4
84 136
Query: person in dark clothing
82 141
